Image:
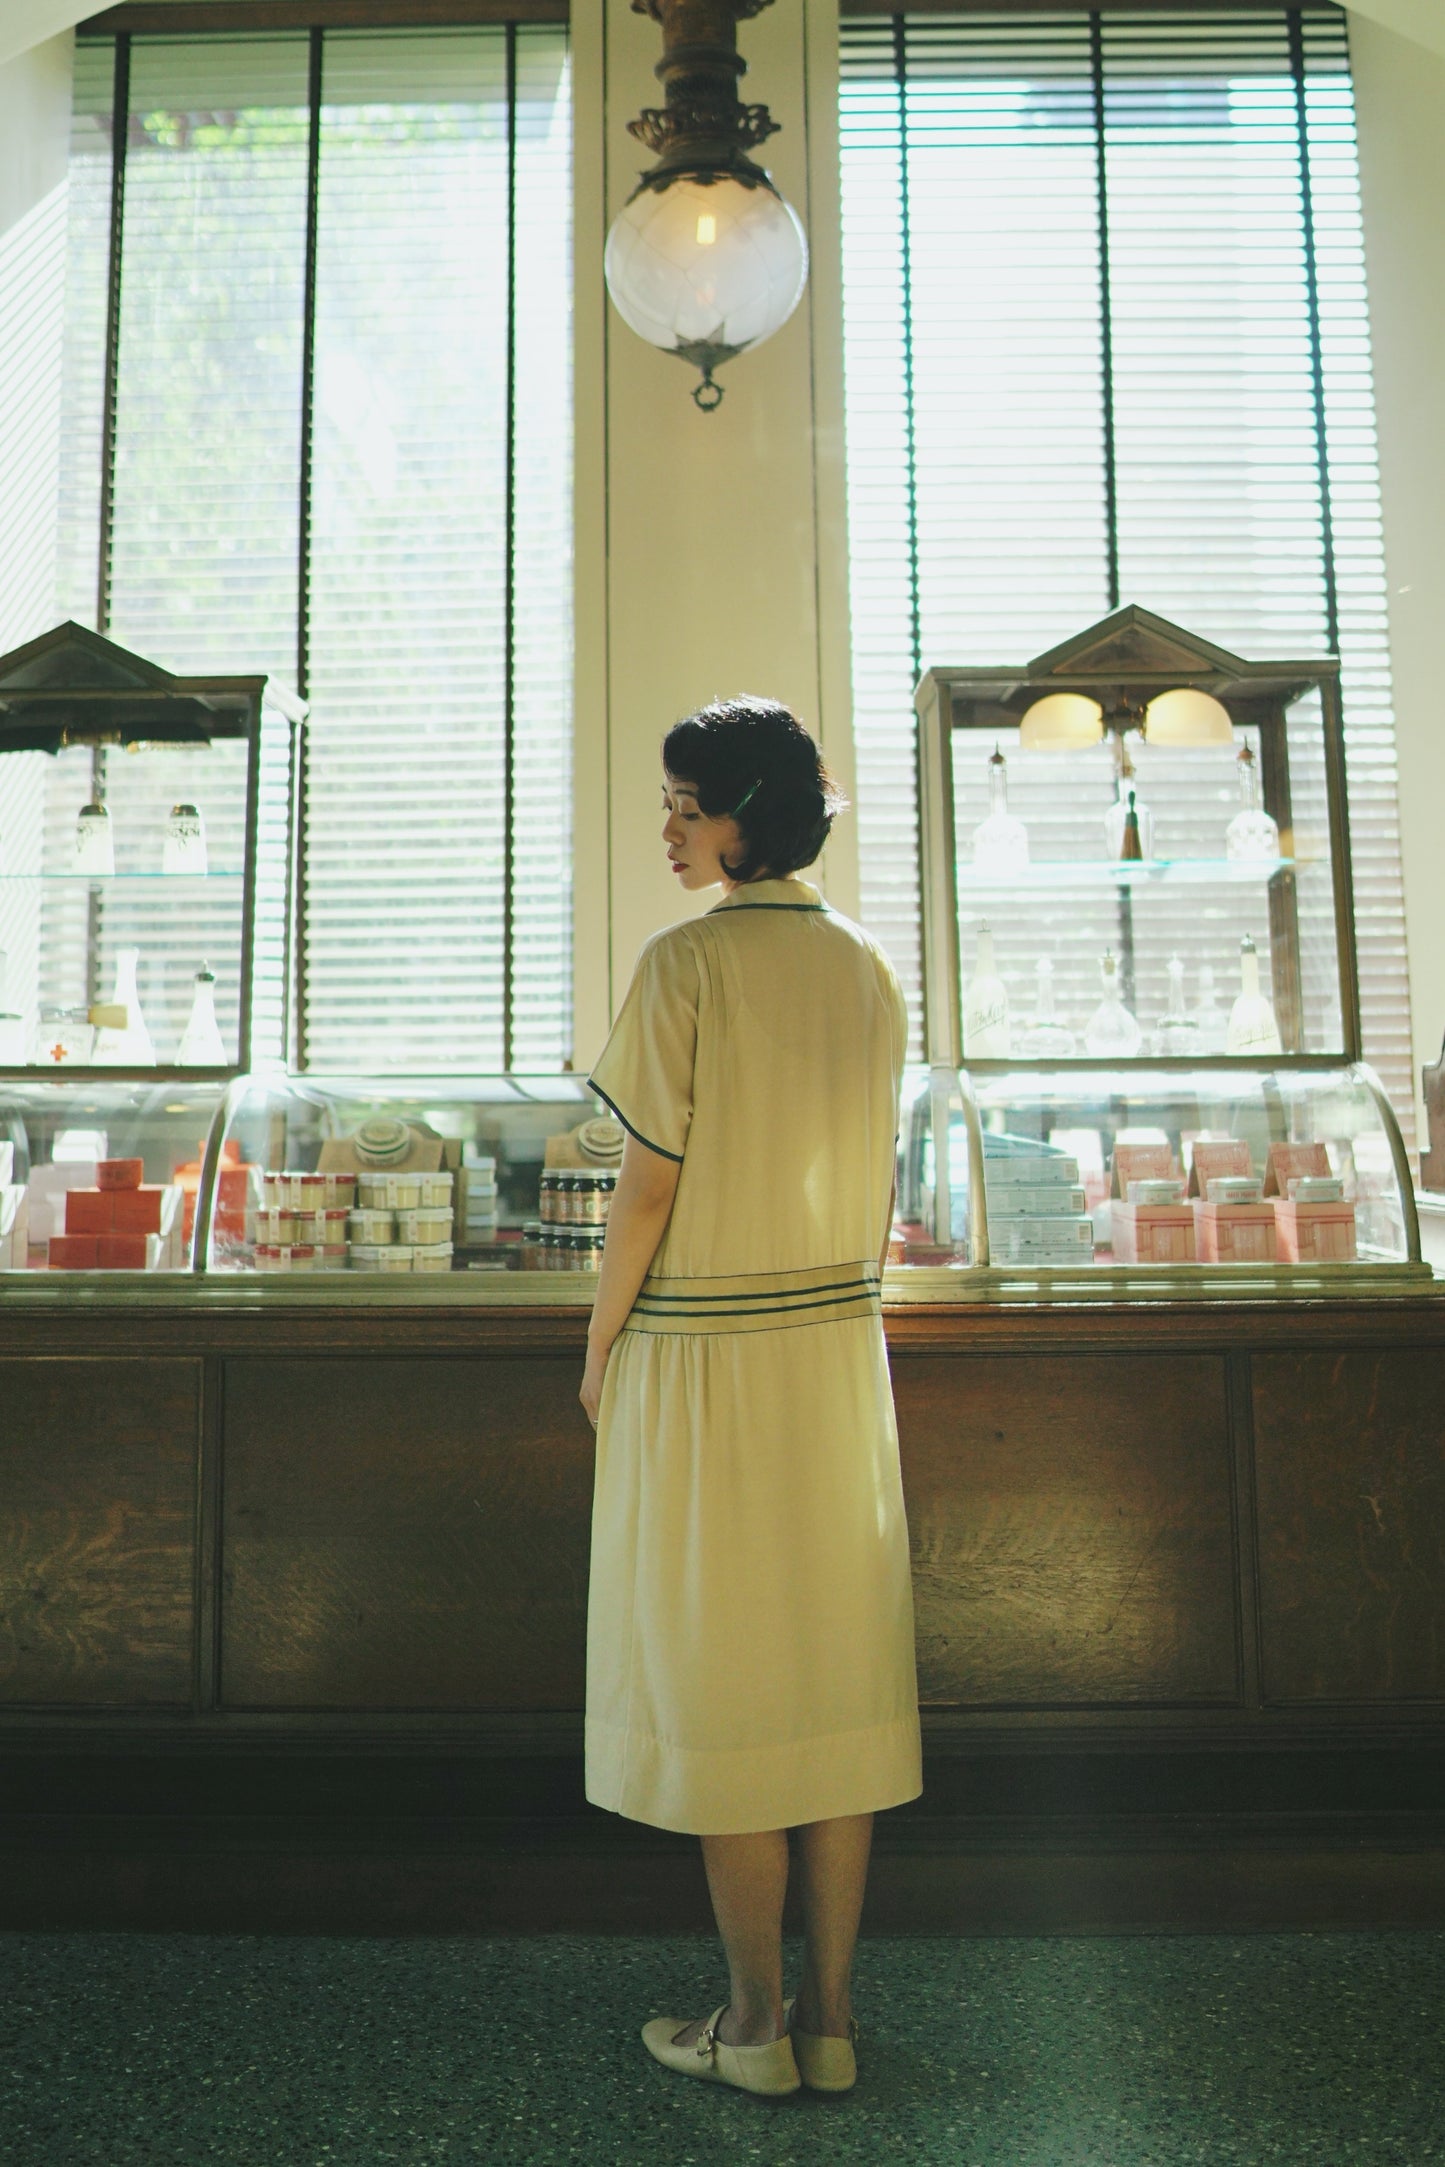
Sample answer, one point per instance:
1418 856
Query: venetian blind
1106 340
359 481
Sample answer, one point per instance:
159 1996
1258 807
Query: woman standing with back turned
750 1626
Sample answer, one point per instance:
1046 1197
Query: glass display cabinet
1142 1012
146 853
493 1188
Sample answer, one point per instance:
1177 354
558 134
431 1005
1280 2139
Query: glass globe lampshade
1059 720
1187 717
705 269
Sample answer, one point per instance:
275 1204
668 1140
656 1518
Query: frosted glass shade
1187 717
1061 719
716 266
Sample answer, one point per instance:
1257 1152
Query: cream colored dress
750 1620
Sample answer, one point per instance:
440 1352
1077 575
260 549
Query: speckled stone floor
1306 2050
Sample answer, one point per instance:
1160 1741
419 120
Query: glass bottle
1211 1018
1252 1026
12 1023
1046 1039
201 1043
1111 1033
1129 843
985 1006
1118 813
1178 1031
94 842
1000 843
183 845
1252 833
125 1045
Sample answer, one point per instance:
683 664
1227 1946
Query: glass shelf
107 880
1128 872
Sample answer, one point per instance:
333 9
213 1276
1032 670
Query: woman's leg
747 1878
833 1869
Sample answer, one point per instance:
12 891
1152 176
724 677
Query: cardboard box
121 1252
1148 1233
1228 1233
151 1210
89 1211
14 1226
73 1252
120 1173
1308 1231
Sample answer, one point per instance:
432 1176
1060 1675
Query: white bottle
1118 813
1252 1028
1000 843
1111 1032
12 1023
201 1043
1178 1032
1252 833
1212 1021
1046 1039
986 1034
126 1045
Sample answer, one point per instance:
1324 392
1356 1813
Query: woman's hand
591 1392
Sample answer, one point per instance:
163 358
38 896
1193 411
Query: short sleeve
645 1069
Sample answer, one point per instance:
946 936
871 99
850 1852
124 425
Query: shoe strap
707 2039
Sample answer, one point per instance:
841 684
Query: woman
750 1624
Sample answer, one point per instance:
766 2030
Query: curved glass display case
1208 1179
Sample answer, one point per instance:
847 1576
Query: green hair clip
747 794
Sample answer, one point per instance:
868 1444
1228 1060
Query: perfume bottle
128 1044
1118 813
985 1006
183 849
1213 1021
1178 1031
12 1023
201 1043
1251 833
1252 1028
1046 1039
1129 843
1111 1032
1000 843
94 842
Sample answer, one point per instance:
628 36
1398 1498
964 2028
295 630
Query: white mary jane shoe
770 2070
824 2063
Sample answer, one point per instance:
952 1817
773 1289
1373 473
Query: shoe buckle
706 2044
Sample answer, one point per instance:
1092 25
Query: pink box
1235 1233
1148 1233
1315 1233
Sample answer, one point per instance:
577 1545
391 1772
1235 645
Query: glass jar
550 1201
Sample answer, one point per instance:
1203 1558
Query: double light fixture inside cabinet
706 258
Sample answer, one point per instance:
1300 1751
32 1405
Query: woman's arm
636 1221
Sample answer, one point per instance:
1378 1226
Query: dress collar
787 894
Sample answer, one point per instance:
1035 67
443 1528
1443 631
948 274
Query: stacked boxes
1232 1222
402 1223
122 1224
1314 1219
476 1199
302 1225
1036 1210
1150 1220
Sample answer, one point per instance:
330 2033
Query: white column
711 556
1400 96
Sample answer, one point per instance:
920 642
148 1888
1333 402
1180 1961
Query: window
339 450
1106 340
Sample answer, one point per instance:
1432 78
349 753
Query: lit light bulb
706 230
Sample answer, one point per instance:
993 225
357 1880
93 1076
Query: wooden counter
1140 1532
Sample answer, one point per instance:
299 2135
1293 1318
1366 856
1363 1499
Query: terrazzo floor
1308 2050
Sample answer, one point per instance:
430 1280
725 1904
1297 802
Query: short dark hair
753 761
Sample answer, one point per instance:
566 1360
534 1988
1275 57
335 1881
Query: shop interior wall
711 549
711 554
1400 93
